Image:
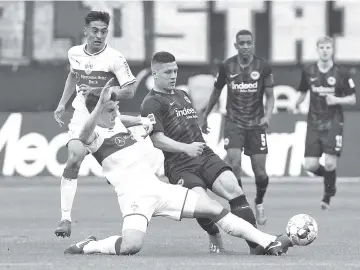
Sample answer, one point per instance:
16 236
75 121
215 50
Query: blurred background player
141 195
92 65
248 78
330 87
188 160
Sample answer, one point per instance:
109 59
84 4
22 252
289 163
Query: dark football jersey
246 88
173 115
336 81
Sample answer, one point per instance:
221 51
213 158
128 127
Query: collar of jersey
86 52
161 93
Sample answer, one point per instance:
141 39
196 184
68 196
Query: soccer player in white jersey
121 158
92 65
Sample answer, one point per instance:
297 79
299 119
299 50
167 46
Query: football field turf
29 212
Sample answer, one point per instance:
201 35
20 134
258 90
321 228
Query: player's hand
147 125
264 122
204 125
105 95
331 100
84 89
58 113
195 149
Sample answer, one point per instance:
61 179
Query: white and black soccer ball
302 229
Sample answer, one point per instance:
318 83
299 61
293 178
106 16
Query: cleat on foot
216 244
279 246
64 228
78 248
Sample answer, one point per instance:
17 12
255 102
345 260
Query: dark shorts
253 141
324 141
198 172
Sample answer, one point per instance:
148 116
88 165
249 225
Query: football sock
68 190
110 245
208 225
238 227
240 207
261 186
319 171
330 182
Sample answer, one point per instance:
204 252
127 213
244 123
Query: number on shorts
263 139
338 139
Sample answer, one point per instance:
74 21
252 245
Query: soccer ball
302 230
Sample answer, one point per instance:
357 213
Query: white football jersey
96 69
115 149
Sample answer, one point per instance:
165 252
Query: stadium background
35 37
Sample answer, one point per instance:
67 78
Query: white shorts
147 196
76 124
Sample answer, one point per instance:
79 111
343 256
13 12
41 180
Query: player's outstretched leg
76 154
130 243
235 226
258 162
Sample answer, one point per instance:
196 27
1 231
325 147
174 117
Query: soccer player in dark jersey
188 160
330 87
248 78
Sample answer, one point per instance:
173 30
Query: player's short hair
325 39
94 15
163 57
92 99
244 32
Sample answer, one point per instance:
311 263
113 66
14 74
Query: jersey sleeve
153 109
348 83
220 79
304 85
95 144
122 71
268 75
72 60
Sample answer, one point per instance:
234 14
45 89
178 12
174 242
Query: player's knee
131 244
76 154
234 157
311 165
330 164
226 186
131 248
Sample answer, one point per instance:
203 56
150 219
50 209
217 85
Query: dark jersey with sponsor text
173 115
246 88
336 81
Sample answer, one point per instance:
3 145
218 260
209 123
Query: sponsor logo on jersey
134 206
244 87
255 75
188 112
121 140
151 116
331 81
323 91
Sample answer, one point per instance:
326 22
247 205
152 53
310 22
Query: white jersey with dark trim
115 149
96 69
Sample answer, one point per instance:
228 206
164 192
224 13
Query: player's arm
167 144
303 88
87 134
220 82
269 93
126 79
348 89
69 88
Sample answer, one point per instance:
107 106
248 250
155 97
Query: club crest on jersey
180 182
331 81
187 99
255 75
119 141
88 68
